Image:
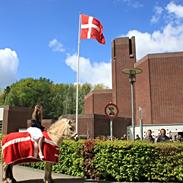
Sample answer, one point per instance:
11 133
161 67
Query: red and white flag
91 28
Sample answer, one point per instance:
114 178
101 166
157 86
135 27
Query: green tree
100 87
29 92
57 99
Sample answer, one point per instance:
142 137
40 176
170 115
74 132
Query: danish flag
91 28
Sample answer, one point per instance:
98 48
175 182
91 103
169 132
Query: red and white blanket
19 147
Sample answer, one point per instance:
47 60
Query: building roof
159 55
102 91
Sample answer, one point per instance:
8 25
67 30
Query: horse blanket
19 147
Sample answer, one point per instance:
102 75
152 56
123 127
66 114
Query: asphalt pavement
30 175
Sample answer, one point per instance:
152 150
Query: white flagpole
77 75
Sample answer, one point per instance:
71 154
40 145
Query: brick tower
123 56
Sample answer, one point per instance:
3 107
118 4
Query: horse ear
69 122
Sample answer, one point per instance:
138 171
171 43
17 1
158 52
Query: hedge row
139 161
121 161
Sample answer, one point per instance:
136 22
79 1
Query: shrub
121 160
124 161
70 160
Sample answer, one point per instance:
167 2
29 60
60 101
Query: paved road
29 175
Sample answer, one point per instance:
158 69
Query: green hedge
70 160
139 161
121 160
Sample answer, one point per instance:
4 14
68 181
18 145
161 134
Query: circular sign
111 110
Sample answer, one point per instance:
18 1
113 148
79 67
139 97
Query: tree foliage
57 99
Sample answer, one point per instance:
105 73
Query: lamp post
132 72
141 122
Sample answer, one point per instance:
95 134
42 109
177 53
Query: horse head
62 129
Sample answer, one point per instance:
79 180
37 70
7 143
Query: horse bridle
75 136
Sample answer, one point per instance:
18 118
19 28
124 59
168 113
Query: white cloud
158 12
167 39
8 67
94 73
55 45
175 9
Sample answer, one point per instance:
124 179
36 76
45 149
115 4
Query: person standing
163 137
149 136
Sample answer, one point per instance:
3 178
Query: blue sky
38 38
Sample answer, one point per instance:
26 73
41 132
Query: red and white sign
111 110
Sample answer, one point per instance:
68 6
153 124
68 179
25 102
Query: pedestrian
149 136
137 137
163 137
124 137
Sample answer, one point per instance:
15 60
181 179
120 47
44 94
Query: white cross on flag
91 28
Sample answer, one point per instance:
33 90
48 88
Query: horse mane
59 130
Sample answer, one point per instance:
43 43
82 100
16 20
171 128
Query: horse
19 147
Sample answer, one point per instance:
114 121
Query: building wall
83 121
167 88
170 129
1 113
88 103
162 95
15 118
102 126
96 101
142 92
123 56
95 125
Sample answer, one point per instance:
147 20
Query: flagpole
77 76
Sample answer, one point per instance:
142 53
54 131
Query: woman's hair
37 113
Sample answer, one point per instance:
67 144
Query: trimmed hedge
139 161
70 160
121 160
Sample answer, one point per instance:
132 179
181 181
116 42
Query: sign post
111 111
111 130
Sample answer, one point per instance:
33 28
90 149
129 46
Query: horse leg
10 171
5 173
48 170
8 174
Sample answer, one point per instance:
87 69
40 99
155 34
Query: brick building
123 56
158 89
95 101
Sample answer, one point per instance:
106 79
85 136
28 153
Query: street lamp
132 72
